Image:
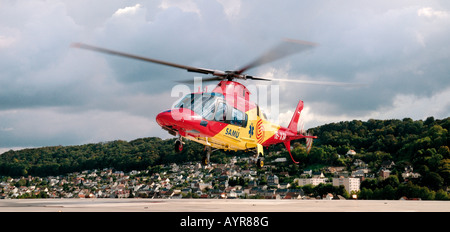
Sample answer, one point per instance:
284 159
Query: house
165 181
384 173
272 180
343 173
176 196
252 183
318 175
223 185
359 163
409 173
156 177
351 152
186 190
280 160
286 174
166 193
231 193
293 195
362 172
254 190
387 164
239 193
267 193
307 173
284 185
203 186
217 193
281 193
335 170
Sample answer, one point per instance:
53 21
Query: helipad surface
218 205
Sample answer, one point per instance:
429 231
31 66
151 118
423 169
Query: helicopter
225 118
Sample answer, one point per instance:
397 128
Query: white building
280 160
312 181
350 184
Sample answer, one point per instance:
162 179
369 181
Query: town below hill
376 159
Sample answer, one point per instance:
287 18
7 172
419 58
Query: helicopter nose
184 121
164 118
176 117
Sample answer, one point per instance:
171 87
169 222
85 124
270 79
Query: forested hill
138 154
423 145
403 139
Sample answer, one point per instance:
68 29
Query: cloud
403 106
6 41
184 5
430 13
52 127
232 8
130 10
410 105
52 94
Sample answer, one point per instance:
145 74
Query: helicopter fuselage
226 119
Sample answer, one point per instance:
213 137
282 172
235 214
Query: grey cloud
390 46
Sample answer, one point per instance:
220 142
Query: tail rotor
309 142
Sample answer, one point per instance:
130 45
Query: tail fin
294 121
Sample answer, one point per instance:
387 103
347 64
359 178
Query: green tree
433 181
388 193
366 194
21 182
392 181
441 195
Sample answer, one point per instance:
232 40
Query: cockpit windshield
212 107
203 104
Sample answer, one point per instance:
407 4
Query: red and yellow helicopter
226 118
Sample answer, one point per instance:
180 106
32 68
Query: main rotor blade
111 52
285 48
344 84
207 79
258 78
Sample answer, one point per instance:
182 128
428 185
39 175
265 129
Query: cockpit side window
238 118
208 108
221 112
230 115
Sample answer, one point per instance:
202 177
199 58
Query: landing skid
206 155
178 145
259 156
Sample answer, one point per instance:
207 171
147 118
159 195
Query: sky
52 94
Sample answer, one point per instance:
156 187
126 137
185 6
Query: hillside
423 145
138 154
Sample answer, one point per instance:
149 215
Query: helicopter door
235 119
249 132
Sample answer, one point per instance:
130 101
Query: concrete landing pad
218 205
